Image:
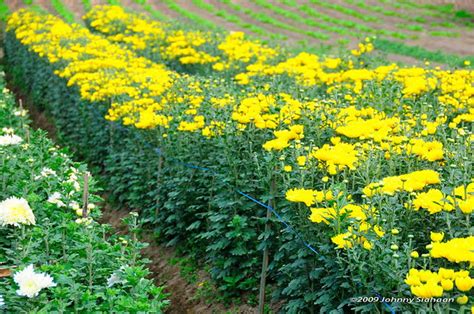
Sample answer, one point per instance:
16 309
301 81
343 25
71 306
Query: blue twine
280 219
159 152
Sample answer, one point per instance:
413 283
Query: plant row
55 256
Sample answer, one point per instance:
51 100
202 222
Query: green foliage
4 11
345 10
190 15
266 19
62 10
411 27
236 20
421 53
444 34
296 17
77 254
87 5
154 13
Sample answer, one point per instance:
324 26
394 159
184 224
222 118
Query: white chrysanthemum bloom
84 221
15 211
47 172
10 139
20 113
8 130
2 302
74 205
55 198
31 283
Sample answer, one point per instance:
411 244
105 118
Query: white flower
74 205
2 302
47 172
10 139
20 113
55 198
31 283
16 211
8 130
84 221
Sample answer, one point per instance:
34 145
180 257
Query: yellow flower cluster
256 110
435 201
284 137
308 196
187 47
430 151
363 48
410 182
355 215
456 250
357 234
357 212
234 51
337 157
428 284
102 71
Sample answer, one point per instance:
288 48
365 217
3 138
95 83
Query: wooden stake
85 197
263 276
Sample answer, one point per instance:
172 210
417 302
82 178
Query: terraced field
406 30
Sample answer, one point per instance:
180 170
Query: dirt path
163 8
76 7
182 293
188 5
292 37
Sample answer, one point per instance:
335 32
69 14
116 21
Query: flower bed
52 257
371 167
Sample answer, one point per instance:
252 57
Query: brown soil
14 5
76 7
292 37
389 22
188 5
132 5
291 22
163 8
462 45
